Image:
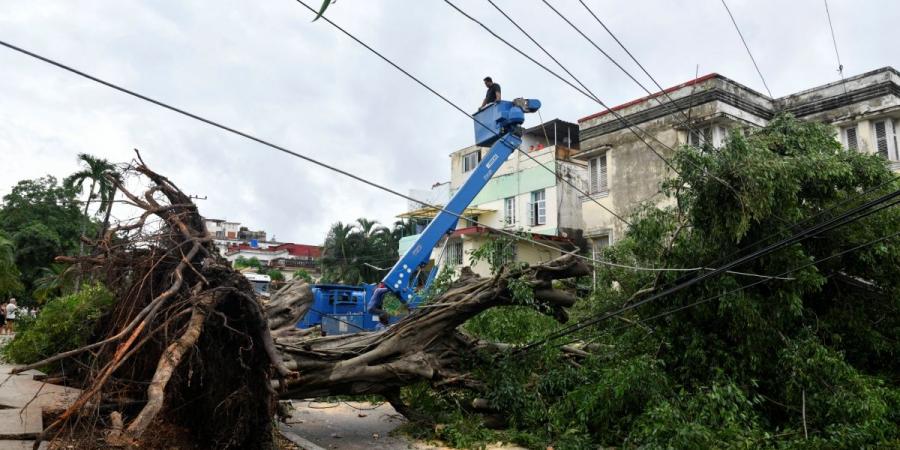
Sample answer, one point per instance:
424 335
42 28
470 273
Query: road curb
293 437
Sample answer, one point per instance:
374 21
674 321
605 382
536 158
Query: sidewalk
22 401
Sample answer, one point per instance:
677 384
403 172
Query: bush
65 323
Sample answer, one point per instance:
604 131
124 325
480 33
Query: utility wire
748 48
313 160
631 127
662 91
851 215
746 286
809 219
836 54
458 108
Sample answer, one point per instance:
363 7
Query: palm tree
101 173
337 251
9 273
54 281
354 253
403 228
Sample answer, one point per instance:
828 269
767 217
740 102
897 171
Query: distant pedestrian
493 92
11 314
3 318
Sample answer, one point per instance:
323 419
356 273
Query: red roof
535 236
312 251
654 95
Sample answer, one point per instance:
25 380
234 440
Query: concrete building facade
623 172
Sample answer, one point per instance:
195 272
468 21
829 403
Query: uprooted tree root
187 345
186 336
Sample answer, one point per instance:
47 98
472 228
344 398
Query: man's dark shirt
492 92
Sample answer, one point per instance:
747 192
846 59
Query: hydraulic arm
498 125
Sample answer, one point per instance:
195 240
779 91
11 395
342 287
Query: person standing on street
11 310
493 92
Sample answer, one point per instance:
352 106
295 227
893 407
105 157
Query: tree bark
426 345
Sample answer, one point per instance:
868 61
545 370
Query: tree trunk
189 340
426 345
84 219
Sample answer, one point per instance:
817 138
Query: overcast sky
264 68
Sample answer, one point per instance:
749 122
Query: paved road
355 426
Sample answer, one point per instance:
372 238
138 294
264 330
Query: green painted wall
405 243
527 180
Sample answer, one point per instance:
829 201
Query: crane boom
343 309
498 125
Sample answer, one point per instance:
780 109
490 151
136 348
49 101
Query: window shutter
601 179
594 175
881 138
891 140
852 142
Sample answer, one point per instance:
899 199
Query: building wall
525 252
518 177
634 173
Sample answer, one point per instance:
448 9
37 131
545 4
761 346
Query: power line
458 108
687 118
836 54
631 127
748 48
746 286
308 158
851 215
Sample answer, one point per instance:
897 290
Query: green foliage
497 252
353 253
43 220
36 246
720 416
54 281
735 372
44 201
65 323
275 275
253 262
302 275
10 277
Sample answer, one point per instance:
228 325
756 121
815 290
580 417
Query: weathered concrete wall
525 252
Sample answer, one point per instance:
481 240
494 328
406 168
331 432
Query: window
700 136
598 174
713 135
509 211
470 160
885 140
455 253
850 138
598 243
537 211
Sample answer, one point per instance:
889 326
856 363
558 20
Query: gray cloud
263 67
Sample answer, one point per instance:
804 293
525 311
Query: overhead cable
736 27
313 160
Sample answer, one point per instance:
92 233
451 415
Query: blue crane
342 308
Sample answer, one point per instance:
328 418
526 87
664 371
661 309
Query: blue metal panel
496 120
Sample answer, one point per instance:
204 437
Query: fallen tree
188 345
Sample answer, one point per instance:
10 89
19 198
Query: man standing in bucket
493 93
